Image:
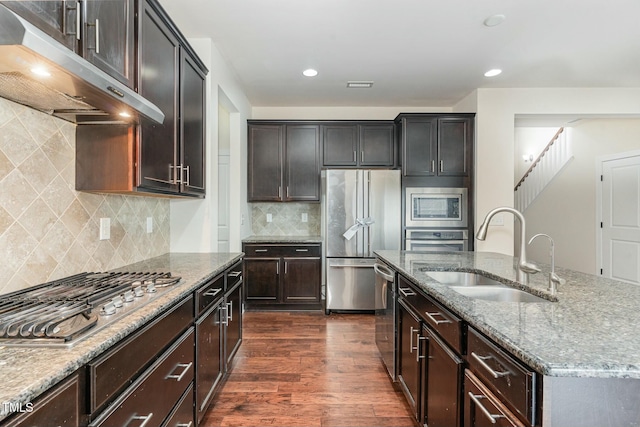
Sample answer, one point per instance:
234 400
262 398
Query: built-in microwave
436 207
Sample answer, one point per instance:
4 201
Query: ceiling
417 52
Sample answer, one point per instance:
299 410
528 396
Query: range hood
71 88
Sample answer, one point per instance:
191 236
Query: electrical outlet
305 217
498 219
149 224
105 228
269 217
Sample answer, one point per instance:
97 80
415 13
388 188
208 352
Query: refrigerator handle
369 213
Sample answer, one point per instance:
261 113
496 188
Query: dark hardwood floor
311 370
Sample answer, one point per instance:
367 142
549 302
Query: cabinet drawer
155 393
302 250
506 376
208 294
449 326
114 370
234 275
182 415
483 408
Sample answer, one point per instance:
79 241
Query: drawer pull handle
189 424
211 293
302 250
235 273
261 250
406 292
481 360
146 419
178 378
434 320
476 400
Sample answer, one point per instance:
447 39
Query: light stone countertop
282 239
28 372
590 331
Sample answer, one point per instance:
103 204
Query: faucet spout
524 267
554 280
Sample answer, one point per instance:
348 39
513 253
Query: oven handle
437 242
383 272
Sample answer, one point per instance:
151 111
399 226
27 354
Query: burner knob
128 296
138 292
118 301
108 309
151 288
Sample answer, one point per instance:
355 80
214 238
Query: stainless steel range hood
74 89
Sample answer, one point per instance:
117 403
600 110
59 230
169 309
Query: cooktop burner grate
65 309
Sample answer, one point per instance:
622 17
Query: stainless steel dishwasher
386 334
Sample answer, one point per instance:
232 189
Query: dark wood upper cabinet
105 36
108 37
283 162
358 145
155 158
436 145
158 81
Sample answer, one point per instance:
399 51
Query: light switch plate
498 219
149 224
105 228
305 217
269 217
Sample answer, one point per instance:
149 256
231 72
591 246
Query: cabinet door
192 126
233 331
265 163
339 145
159 50
108 37
262 277
301 281
418 146
377 145
302 163
409 372
444 384
56 18
208 358
454 144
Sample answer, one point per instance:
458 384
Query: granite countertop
283 239
28 372
589 331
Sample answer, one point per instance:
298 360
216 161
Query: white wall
496 112
338 113
566 209
194 222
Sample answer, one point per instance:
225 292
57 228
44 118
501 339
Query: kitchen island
583 340
29 372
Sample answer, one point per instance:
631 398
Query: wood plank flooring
310 370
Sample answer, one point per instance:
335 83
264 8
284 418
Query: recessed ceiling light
493 73
360 84
125 114
310 72
494 20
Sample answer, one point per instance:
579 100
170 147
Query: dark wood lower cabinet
233 324
209 366
409 362
283 276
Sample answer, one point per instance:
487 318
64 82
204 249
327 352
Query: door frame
599 170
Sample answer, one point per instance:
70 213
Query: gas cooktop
63 312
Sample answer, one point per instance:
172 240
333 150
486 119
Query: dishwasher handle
384 272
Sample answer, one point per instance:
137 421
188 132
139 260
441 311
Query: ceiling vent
360 84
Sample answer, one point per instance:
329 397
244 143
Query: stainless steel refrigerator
362 213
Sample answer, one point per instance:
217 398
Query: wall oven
436 207
441 240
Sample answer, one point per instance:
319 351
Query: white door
620 225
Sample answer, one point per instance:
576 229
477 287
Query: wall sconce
527 158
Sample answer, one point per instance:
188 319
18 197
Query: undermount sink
462 278
474 285
499 293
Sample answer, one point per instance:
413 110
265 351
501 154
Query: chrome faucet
554 280
524 267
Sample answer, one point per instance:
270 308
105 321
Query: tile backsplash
286 219
47 229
